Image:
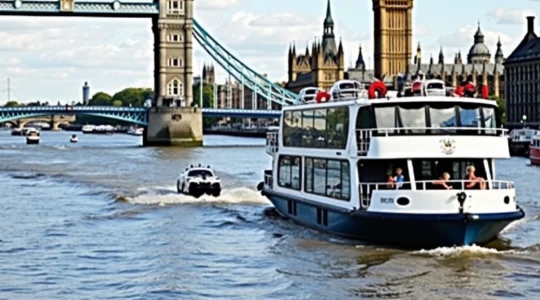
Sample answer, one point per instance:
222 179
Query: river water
101 219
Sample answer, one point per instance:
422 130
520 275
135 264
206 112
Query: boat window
489 119
364 119
329 178
442 117
378 171
432 169
319 128
385 117
412 117
287 128
435 85
469 117
289 172
307 129
337 126
200 173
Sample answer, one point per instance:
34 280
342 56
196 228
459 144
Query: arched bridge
133 115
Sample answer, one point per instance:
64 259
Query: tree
208 101
117 103
12 104
133 96
100 99
500 114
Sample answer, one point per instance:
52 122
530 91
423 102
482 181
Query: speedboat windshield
200 173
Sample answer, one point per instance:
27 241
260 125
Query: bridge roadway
133 115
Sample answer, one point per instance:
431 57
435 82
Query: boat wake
464 251
170 197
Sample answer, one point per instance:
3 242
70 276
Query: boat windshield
200 173
430 118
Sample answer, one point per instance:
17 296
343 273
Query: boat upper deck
417 126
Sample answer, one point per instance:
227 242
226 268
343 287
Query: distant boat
88 128
17 131
74 139
135 131
103 129
32 136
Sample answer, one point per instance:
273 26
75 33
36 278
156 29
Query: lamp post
524 120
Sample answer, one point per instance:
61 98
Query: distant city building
478 68
86 93
522 74
322 66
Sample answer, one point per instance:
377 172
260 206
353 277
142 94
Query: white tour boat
415 170
135 131
32 136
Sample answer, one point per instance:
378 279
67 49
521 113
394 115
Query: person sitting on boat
399 179
444 181
473 180
390 181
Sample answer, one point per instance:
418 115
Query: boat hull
32 141
399 229
534 156
519 148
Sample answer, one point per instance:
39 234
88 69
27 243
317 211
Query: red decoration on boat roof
377 87
323 96
485 92
459 91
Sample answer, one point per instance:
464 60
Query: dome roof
479 52
479 49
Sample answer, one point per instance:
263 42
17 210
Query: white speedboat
88 128
32 136
197 181
17 131
103 129
135 131
414 171
73 139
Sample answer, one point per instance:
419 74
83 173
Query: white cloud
510 16
215 4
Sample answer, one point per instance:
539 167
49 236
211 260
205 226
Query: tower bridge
174 29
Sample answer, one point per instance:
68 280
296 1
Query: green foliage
208 95
100 99
501 109
12 104
208 101
117 103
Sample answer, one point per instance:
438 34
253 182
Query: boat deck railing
366 189
364 136
272 142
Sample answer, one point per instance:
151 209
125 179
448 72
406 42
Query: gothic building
479 68
321 66
522 74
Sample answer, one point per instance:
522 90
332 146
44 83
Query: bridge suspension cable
240 71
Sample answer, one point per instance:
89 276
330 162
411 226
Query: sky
49 59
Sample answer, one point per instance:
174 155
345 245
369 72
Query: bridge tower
172 119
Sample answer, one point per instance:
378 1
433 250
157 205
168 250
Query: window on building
175 62
289 172
175 38
175 88
328 177
175 7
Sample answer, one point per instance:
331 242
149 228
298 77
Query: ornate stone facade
522 73
322 66
392 36
173 50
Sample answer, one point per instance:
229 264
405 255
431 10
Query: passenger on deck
399 179
443 181
390 181
474 182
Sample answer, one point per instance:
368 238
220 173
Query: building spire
328 21
360 64
499 56
441 56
